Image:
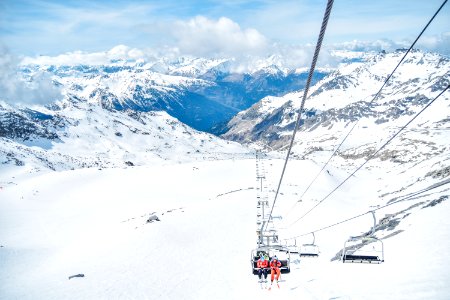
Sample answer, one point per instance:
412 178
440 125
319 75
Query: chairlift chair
283 254
364 249
266 236
309 250
293 247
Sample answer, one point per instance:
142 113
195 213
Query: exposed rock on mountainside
345 97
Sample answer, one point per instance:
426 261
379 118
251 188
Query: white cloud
436 43
14 89
377 45
84 58
201 36
433 43
291 57
223 38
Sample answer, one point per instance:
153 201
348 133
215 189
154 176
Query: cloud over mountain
433 43
37 89
120 52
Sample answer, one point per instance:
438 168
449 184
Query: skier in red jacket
262 264
275 265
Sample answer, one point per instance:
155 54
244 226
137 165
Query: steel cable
374 98
372 156
305 94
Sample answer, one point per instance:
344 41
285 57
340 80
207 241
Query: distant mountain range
130 113
202 93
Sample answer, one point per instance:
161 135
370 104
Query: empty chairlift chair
293 248
364 249
309 250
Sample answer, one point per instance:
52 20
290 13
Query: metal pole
261 233
263 215
374 222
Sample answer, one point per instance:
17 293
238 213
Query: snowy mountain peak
346 95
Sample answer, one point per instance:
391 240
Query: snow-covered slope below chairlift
138 232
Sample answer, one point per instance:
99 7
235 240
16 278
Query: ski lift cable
374 98
330 226
373 210
305 93
372 155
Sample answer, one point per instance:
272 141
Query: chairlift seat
358 254
306 250
282 253
309 250
305 254
361 259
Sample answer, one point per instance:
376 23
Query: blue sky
33 27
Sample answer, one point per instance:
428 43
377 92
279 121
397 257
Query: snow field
93 222
57 224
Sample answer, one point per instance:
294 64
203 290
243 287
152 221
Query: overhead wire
415 194
372 155
374 98
305 93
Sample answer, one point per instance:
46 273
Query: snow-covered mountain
75 133
123 112
344 97
202 93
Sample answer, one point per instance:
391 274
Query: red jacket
262 263
275 264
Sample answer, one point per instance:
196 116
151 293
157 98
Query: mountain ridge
346 95
203 93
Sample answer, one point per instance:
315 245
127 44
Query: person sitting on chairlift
275 265
262 265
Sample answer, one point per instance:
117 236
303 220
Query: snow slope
58 224
78 134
